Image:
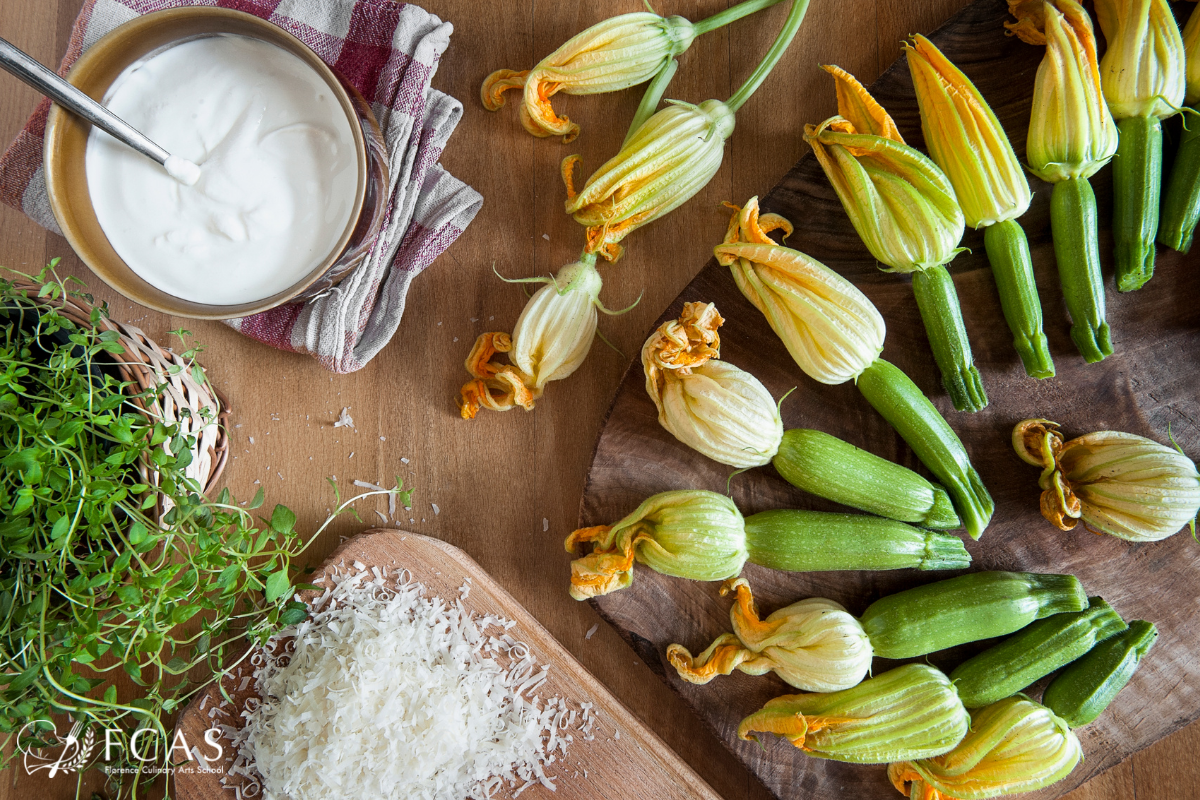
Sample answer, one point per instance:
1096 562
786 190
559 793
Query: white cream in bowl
278 170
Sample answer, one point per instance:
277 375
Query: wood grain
623 761
1147 387
508 485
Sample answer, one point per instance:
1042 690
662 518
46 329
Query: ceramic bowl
140 38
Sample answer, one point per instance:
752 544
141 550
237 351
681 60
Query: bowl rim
60 121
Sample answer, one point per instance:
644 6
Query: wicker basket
145 364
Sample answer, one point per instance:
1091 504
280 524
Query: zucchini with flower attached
726 414
1072 135
969 608
1143 73
814 645
1013 746
1120 483
835 334
701 535
904 210
910 712
1033 653
967 141
1084 689
1181 200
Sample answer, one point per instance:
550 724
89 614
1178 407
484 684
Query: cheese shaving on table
385 693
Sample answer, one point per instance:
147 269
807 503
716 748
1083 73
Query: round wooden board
1149 387
623 761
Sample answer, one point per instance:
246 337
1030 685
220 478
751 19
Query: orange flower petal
495 85
860 109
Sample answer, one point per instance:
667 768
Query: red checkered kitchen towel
389 52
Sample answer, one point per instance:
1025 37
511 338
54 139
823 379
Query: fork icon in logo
75 752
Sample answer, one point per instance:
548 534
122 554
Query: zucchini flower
968 143
711 406
1071 136
702 536
1144 78
1122 484
610 56
835 334
814 645
687 534
665 160
830 328
551 339
1013 746
904 210
895 716
1181 202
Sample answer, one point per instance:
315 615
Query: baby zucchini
1007 668
1084 689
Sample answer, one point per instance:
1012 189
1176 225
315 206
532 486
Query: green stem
723 18
790 26
821 541
1073 223
650 100
1137 172
1181 203
1012 268
918 422
937 300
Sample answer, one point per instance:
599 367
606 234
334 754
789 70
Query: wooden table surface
507 486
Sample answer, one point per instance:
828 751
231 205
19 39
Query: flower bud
1071 132
1191 55
671 157
1013 746
691 534
610 56
901 204
830 328
551 339
711 406
1143 71
813 645
909 710
966 140
1129 486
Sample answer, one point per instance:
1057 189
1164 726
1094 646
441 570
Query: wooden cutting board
623 761
1149 386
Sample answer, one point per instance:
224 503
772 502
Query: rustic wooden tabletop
505 487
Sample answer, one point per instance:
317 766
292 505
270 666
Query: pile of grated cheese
386 693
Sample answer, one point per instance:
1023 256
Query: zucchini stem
1137 173
897 398
1073 223
937 300
1181 202
1012 268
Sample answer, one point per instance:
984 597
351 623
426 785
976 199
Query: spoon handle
20 64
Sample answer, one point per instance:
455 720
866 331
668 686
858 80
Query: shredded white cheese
344 419
385 693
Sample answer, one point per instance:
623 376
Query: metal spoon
23 66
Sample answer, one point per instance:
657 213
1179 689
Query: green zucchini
1086 687
969 608
1039 649
1012 269
828 467
820 541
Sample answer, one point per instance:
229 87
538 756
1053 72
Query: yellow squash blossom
1143 71
1013 746
710 405
1072 134
612 55
814 645
551 339
830 328
1122 484
673 155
